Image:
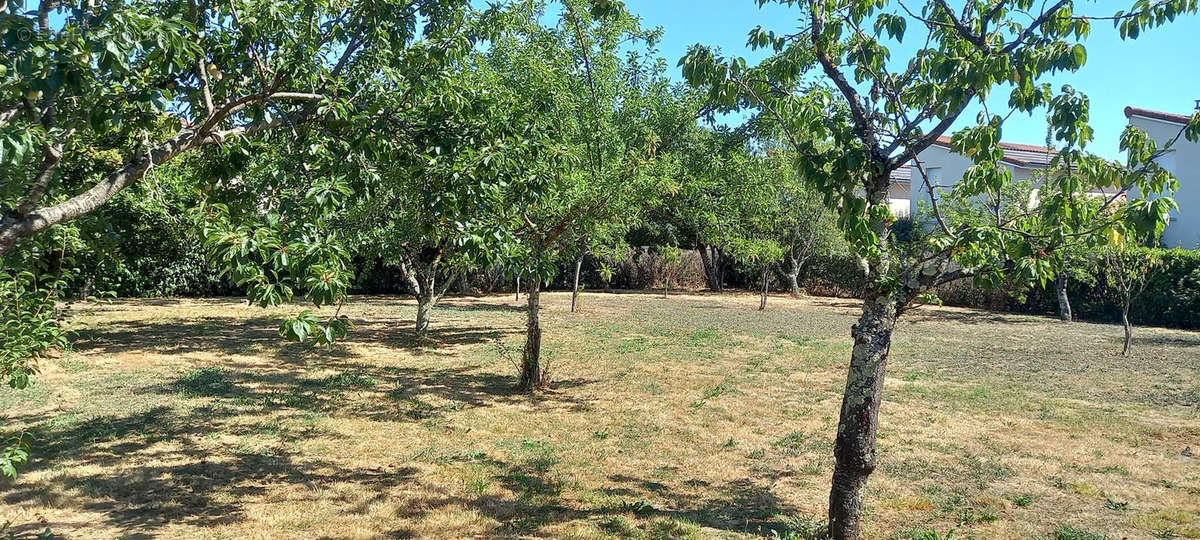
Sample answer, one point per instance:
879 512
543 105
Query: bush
839 275
1171 299
1172 296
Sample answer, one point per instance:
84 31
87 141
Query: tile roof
1028 156
1157 115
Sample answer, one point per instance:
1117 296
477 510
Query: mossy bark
854 449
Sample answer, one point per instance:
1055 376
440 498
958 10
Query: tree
803 224
697 214
431 204
169 79
665 262
1129 271
605 103
873 116
753 238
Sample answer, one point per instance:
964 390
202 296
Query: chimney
1198 104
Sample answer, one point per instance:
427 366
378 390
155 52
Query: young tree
876 116
1129 271
665 262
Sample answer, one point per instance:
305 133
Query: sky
1160 70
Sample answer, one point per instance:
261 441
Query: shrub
1172 297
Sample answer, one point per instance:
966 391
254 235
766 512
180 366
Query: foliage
109 95
31 283
869 115
284 248
13 452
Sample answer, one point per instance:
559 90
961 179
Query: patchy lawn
686 417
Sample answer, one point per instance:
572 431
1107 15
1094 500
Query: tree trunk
793 276
518 287
575 287
424 307
712 272
762 304
1128 329
426 298
854 450
533 375
1064 301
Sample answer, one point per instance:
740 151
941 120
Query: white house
1184 162
898 192
945 168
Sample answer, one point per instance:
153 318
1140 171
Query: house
1183 161
898 192
944 168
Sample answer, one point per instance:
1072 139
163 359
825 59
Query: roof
1028 156
902 174
1157 115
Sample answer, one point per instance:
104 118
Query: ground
685 417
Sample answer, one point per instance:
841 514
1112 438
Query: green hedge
1172 297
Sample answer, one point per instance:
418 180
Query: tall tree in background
875 115
602 97
432 200
697 214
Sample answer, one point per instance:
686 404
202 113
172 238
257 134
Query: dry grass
689 417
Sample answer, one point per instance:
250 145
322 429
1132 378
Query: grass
687 417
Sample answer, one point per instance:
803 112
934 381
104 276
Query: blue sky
1160 70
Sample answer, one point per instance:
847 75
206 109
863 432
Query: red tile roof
1027 156
1157 115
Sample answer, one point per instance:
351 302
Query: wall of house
898 194
945 169
1184 163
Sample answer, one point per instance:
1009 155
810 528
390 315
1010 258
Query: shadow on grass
240 335
533 502
114 466
968 317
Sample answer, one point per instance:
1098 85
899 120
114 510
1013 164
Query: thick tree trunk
425 282
1064 301
793 275
575 286
712 271
1128 329
762 304
854 450
424 308
533 374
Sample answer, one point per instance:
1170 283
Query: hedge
1171 299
